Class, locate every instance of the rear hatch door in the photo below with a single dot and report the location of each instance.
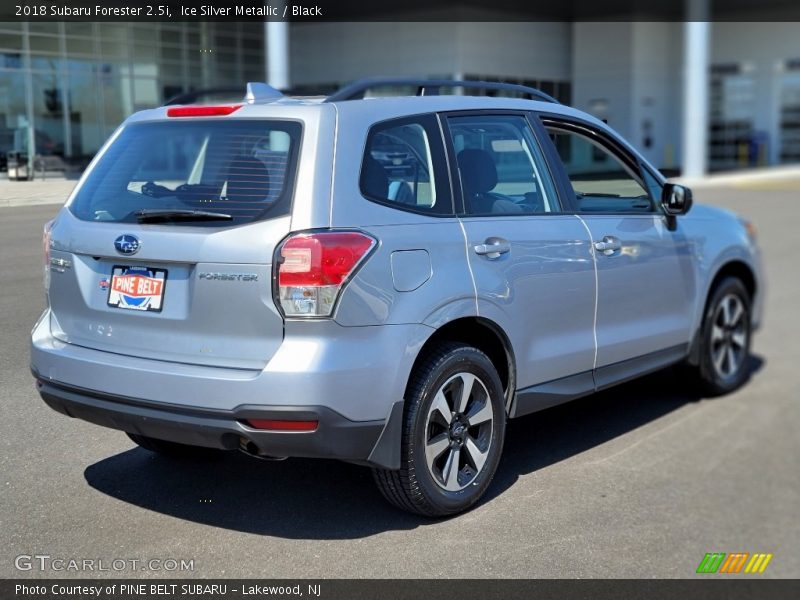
(165, 250)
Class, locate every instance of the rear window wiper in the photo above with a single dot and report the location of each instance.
(165, 215)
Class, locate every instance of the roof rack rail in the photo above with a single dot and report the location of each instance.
(431, 87)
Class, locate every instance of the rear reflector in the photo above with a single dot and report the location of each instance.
(313, 268)
(278, 425)
(202, 111)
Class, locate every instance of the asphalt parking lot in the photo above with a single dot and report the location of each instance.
(639, 481)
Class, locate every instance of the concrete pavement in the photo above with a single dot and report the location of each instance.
(36, 192)
(638, 481)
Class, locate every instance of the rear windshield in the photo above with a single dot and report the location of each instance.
(243, 169)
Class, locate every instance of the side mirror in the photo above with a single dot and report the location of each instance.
(676, 199)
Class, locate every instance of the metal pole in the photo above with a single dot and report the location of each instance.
(63, 83)
(697, 33)
(276, 46)
(29, 112)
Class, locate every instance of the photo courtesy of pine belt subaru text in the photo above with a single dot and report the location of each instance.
(380, 280)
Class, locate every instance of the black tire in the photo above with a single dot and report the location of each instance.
(172, 449)
(417, 487)
(716, 335)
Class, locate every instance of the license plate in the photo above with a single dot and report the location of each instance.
(137, 288)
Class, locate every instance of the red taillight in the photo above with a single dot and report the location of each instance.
(202, 111)
(279, 425)
(313, 268)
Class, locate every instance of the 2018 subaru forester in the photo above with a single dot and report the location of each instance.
(379, 280)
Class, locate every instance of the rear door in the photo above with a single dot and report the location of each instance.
(645, 276)
(532, 264)
(165, 251)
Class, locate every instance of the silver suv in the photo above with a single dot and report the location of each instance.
(379, 280)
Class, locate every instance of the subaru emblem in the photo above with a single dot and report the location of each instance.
(127, 244)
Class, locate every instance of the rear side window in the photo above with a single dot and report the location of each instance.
(501, 167)
(244, 169)
(403, 166)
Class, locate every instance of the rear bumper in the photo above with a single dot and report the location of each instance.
(350, 379)
(358, 372)
(335, 436)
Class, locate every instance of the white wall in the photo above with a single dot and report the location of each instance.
(339, 52)
(601, 71)
(656, 90)
(636, 67)
(521, 50)
(630, 73)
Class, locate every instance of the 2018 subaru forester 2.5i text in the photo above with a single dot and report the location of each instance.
(379, 280)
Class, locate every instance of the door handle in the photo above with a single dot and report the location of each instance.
(609, 245)
(493, 247)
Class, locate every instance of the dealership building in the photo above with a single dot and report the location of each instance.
(64, 87)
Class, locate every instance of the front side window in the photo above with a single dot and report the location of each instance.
(601, 181)
(500, 165)
(242, 169)
(403, 166)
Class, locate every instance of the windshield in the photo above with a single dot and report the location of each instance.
(242, 169)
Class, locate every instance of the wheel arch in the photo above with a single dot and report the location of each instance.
(738, 269)
(733, 268)
(480, 332)
(485, 335)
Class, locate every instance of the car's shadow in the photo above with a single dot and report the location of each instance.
(324, 499)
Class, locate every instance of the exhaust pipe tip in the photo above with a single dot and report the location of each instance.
(249, 448)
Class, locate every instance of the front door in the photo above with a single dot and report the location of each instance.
(644, 272)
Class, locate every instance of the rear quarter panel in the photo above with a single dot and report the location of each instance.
(385, 290)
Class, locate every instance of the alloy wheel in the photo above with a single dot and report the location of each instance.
(728, 336)
(458, 432)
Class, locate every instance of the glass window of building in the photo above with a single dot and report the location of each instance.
(66, 87)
